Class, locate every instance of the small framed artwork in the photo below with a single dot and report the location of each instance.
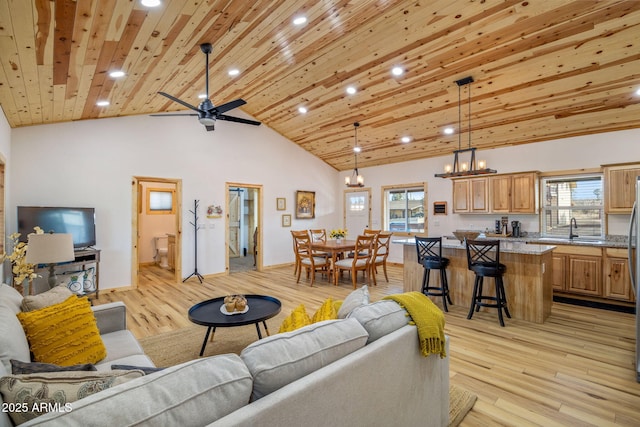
(305, 204)
(286, 220)
(281, 203)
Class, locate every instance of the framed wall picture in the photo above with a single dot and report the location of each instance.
(305, 204)
(286, 220)
(281, 203)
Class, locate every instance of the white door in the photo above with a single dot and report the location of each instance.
(357, 211)
(234, 223)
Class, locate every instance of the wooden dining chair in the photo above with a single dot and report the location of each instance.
(294, 234)
(319, 235)
(360, 262)
(308, 260)
(380, 255)
(366, 232)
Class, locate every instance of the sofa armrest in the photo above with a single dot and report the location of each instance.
(111, 317)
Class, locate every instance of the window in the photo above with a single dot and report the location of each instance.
(404, 208)
(160, 201)
(568, 197)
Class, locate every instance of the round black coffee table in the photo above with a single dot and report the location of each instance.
(208, 313)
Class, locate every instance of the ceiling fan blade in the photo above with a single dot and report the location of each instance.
(237, 120)
(220, 109)
(179, 101)
(173, 114)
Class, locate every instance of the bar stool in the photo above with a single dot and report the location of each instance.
(430, 256)
(483, 258)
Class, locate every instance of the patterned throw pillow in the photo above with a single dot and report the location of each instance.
(89, 279)
(72, 280)
(33, 395)
(64, 334)
(327, 311)
(297, 319)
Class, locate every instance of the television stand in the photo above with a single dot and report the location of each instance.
(84, 258)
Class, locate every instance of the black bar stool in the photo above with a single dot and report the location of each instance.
(483, 258)
(430, 256)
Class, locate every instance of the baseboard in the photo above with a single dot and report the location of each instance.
(594, 304)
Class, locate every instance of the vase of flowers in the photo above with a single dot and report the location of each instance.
(22, 271)
(338, 234)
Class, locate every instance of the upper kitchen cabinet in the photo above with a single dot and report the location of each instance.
(619, 187)
(471, 195)
(514, 193)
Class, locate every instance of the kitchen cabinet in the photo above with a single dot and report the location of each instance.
(514, 193)
(617, 284)
(619, 187)
(471, 195)
(577, 270)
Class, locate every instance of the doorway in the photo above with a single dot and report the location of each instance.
(156, 227)
(357, 211)
(243, 226)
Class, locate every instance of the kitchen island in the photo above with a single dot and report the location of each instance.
(527, 281)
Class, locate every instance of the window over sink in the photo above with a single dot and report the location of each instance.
(578, 197)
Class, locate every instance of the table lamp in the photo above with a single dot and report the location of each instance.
(50, 248)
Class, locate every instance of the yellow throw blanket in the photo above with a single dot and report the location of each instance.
(428, 318)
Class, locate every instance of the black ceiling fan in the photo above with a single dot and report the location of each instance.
(207, 113)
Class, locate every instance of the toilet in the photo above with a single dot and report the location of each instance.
(161, 243)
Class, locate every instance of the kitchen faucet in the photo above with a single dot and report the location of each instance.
(572, 223)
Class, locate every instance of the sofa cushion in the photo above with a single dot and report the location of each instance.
(35, 394)
(296, 320)
(10, 298)
(20, 368)
(55, 295)
(283, 358)
(120, 344)
(135, 360)
(195, 393)
(355, 299)
(380, 318)
(13, 342)
(64, 334)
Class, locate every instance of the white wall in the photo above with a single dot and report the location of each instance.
(91, 163)
(5, 155)
(589, 151)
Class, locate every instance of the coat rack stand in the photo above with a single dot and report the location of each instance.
(195, 240)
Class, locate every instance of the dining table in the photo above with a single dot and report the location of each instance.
(334, 247)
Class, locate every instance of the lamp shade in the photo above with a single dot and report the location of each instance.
(50, 248)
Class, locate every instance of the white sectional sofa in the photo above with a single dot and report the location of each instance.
(364, 370)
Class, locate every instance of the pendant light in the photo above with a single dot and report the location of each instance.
(465, 168)
(355, 180)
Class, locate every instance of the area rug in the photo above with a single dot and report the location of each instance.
(182, 345)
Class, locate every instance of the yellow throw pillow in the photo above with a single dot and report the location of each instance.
(337, 304)
(64, 334)
(327, 311)
(297, 319)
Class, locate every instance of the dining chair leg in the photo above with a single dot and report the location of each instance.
(384, 268)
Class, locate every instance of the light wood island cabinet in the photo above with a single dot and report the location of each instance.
(619, 187)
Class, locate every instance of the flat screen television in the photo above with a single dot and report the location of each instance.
(79, 222)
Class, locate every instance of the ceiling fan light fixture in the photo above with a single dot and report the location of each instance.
(150, 3)
(464, 168)
(207, 121)
(355, 180)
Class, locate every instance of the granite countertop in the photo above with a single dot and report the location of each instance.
(510, 246)
(611, 241)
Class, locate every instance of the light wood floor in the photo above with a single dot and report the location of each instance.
(576, 369)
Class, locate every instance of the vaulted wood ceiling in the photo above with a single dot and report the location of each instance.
(543, 69)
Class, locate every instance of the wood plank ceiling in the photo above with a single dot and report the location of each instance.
(543, 69)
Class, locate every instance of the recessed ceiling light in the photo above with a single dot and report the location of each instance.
(448, 130)
(405, 139)
(299, 20)
(397, 71)
(116, 74)
(234, 72)
(357, 149)
(150, 3)
(638, 92)
(302, 110)
(351, 90)
(202, 96)
(102, 103)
